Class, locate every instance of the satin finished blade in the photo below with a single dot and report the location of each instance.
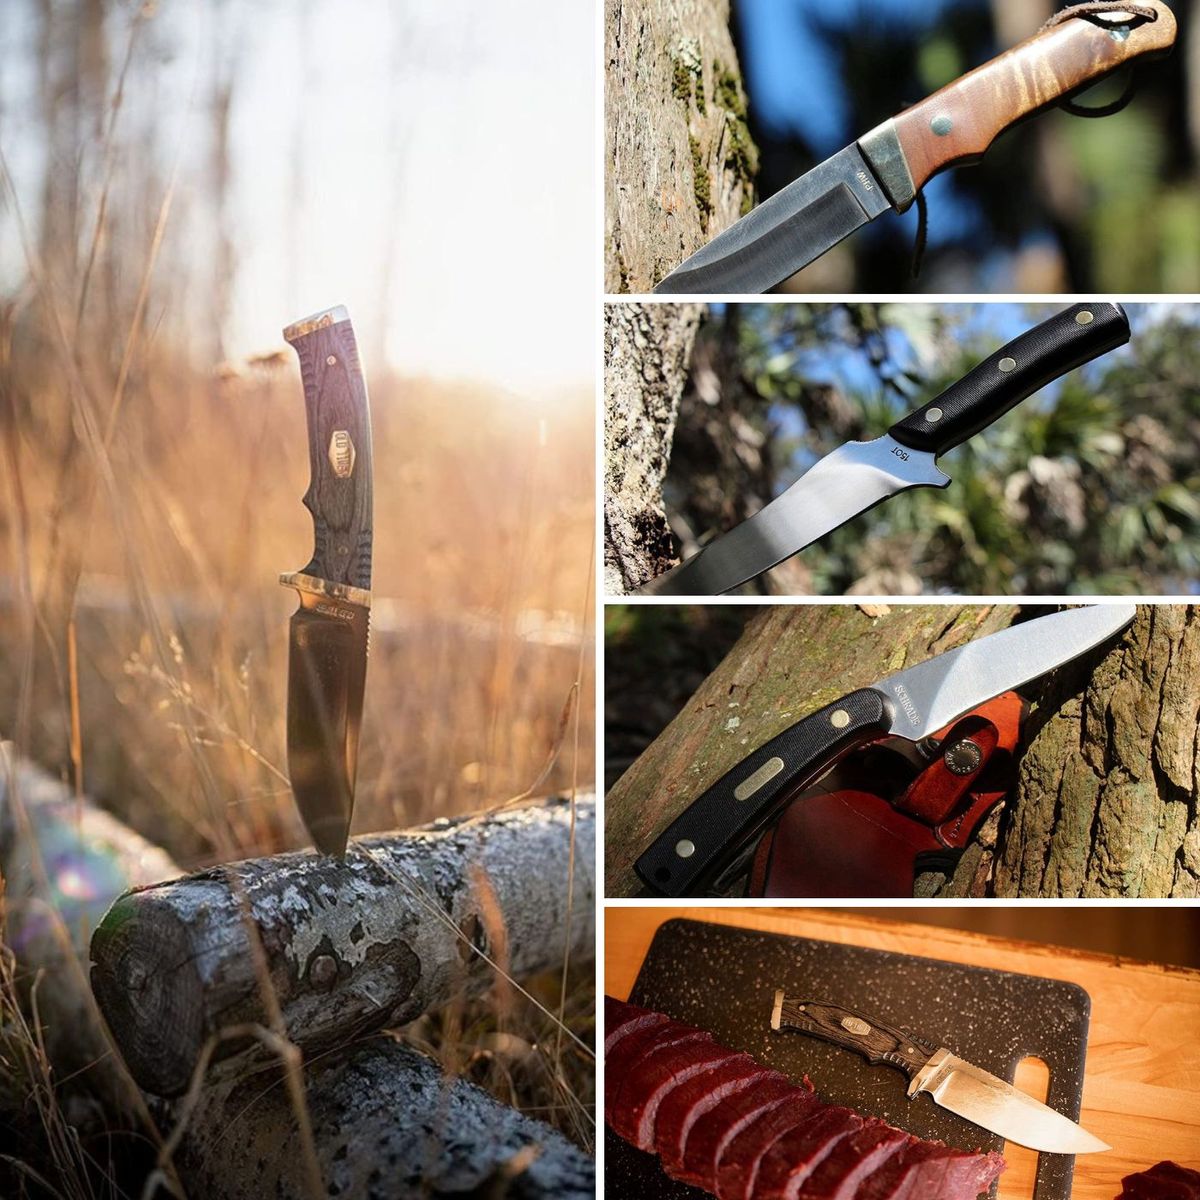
(849, 481)
(786, 231)
(327, 670)
(986, 1100)
(930, 695)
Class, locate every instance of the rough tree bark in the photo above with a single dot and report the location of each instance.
(1106, 797)
(680, 158)
(400, 927)
(646, 353)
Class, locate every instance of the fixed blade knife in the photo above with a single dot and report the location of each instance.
(329, 632)
(859, 475)
(955, 1084)
(694, 851)
(885, 169)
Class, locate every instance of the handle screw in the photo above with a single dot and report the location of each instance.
(331, 360)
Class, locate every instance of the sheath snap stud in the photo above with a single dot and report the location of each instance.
(963, 757)
(685, 849)
(840, 719)
(1007, 364)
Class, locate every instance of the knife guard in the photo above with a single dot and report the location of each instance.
(959, 122)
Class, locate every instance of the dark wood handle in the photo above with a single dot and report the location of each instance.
(339, 448)
(879, 1044)
(962, 120)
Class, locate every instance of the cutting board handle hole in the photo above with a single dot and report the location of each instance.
(1032, 1077)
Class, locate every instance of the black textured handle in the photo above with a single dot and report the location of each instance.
(879, 1044)
(339, 448)
(713, 828)
(1029, 362)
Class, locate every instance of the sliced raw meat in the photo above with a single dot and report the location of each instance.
(655, 1074)
(737, 1169)
(852, 1160)
(928, 1170)
(624, 1058)
(1165, 1181)
(714, 1131)
(793, 1157)
(685, 1104)
(621, 1019)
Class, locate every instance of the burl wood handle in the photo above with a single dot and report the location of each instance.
(958, 123)
(339, 448)
(879, 1044)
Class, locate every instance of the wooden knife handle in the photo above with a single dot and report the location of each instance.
(962, 120)
(878, 1044)
(339, 448)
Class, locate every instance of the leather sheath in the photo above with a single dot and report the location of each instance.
(883, 820)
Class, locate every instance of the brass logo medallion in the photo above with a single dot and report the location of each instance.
(341, 454)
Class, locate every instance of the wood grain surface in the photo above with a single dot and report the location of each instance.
(959, 122)
(1142, 1088)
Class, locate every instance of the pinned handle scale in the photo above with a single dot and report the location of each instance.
(1012, 374)
(702, 840)
(339, 448)
(959, 122)
(880, 1045)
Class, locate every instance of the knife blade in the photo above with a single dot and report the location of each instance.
(969, 1091)
(859, 475)
(886, 168)
(712, 832)
(329, 632)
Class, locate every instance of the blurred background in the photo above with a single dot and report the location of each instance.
(1058, 204)
(178, 183)
(1090, 486)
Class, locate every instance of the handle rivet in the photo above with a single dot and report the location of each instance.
(331, 360)
(941, 125)
(685, 849)
(840, 719)
(1084, 318)
(1007, 364)
(933, 415)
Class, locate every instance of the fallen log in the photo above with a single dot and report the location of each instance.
(405, 923)
(387, 1125)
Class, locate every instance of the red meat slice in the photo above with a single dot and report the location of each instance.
(655, 1075)
(793, 1157)
(720, 1125)
(630, 1050)
(852, 1160)
(685, 1104)
(737, 1168)
(621, 1019)
(928, 1169)
(1164, 1181)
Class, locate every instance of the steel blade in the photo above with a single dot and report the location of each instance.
(786, 231)
(986, 1100)
(845, 483)
(327, 669)
(932, 694)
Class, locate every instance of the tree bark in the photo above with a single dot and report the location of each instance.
(1105, 799)
(646, 351)
(681, 161)
(348, 948)
(387, 1125)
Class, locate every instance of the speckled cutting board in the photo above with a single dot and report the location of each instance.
(724, 979)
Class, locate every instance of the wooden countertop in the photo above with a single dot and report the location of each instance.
(1142, 1087)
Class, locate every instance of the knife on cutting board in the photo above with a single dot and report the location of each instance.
(859, 475)
(955, 1084)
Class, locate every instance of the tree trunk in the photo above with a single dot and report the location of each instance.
(681, 161)
(646, 350)
(387, 1125)
(349, 948)
(1105, 799)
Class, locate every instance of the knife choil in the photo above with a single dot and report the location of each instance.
(327, 657)
(956, 1085)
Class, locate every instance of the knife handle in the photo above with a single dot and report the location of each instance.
(959, 122)
(339, 448)
(694, 848)
(1029, 362)
(880, 1045)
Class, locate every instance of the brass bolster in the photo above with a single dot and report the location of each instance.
(882, 150)
(312, 586)
(320, 320)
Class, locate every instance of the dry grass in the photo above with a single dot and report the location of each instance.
(148, 501)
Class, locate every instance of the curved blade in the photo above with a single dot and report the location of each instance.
(845, 483)
(986, 1100)
(930, 695)
(327, 671)
(786, 231)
